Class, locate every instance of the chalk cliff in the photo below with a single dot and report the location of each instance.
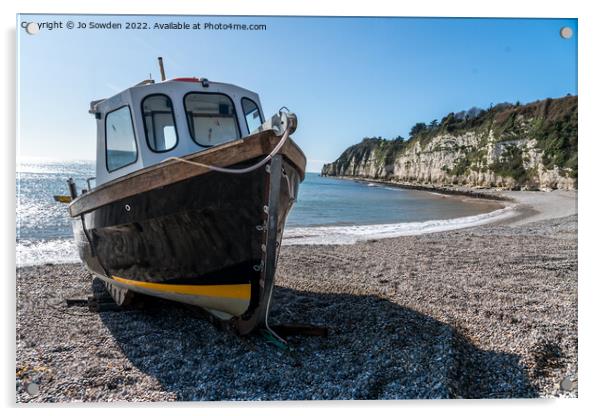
(511, 146)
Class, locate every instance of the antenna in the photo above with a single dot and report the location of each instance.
(161, 68)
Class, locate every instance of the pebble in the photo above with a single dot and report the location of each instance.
(487, 312)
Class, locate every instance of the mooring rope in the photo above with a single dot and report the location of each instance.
(242, 170)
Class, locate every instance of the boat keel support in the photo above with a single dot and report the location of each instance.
(286, 330)
(94, 303)
(270, 249)
(121, 296)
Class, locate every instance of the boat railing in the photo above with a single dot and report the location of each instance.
(93, 178)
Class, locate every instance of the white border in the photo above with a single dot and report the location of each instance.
(590, 152)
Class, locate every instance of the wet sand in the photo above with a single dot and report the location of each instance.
(482, 312)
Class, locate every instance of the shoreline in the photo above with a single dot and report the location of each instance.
(514, 208)
(510, 208)
(485, 193)
(353, 234)
(530, 205)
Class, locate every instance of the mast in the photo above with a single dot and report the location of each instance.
(161, 68)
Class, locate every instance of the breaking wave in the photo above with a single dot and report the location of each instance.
(354, 233)
(37, 252)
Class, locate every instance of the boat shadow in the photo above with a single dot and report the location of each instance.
(375, 349)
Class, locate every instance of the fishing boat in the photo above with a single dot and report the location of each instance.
(192, 189)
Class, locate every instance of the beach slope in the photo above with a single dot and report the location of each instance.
(482, 312)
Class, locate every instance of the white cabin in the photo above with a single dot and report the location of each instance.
(149, 122)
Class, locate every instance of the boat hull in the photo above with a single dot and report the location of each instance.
(202, 240)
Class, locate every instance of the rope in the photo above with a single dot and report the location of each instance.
(271, 337)
(267, 309)
(243, 170)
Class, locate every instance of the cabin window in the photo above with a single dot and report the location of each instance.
(252, 114)
(120, 139)
(159, 123)
(211, 118)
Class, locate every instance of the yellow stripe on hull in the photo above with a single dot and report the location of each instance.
(239, 291)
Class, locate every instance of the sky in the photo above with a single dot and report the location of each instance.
(345, 78)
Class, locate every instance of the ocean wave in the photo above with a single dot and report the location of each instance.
(71, 167)
(36, 252)
(383, 186)
(355, 233)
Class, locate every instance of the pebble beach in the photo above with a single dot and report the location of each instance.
(482, 312)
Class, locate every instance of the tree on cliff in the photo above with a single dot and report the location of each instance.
(474, 112)
(417, 129)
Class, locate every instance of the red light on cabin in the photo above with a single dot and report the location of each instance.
(186, 79)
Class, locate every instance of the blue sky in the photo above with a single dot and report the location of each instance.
(346, 78)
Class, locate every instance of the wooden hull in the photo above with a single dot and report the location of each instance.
(202, 240)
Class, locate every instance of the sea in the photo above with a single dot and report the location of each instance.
(328, 211)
